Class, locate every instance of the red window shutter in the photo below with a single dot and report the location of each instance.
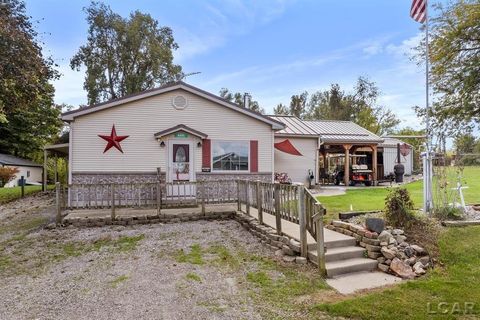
(206, 153)
(253, 156)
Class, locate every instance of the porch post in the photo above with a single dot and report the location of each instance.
(302, 221)
(346, 177)
(44, 182)
(56, 169)
(374, 165)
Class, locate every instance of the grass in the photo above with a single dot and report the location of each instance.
(452, 289)
(193, 277)
(10, 194)
(195, 256)
(369, 199)
(19, 253)
(118, 280)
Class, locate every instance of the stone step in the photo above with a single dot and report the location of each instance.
(336, 268)
(343, 253)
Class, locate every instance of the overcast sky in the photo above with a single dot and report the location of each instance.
(270, 48)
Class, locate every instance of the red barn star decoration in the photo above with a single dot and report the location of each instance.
(113, 140)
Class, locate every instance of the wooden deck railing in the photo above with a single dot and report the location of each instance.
(291, 203)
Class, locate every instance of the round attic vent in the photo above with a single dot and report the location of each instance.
(179, 102)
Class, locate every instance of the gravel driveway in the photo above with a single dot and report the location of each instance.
(192, 270)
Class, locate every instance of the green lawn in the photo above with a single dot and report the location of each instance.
(9, 194)
(450, 292)
(366, 199)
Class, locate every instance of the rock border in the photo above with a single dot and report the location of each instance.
(393, 254)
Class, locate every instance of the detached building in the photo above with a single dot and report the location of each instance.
(31, 171)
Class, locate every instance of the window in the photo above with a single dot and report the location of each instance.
(230, 155)
(28, 174)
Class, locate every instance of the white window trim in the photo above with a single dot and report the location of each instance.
(229, 171)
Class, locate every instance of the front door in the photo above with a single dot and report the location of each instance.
(180, 162)
(181, 170)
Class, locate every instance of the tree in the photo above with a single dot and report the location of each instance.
(298, 103)
(281, 109)
(454, 53)
(124, 56)
(24, 71)
(7, 174)
(359, 106)
(465, 143)
(416, 143)
(238, 99)
(30, 118)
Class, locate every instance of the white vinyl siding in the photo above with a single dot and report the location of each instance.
(297, 167)
(141, 119)
(34, 178)
(390, 160)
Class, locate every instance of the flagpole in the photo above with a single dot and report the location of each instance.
(428, 169)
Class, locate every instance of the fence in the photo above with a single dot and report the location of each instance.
(292, 203)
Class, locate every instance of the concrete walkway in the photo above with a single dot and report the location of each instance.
(353, 282)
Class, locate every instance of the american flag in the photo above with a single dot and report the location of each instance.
(419, 10)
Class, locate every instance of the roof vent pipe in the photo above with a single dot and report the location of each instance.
(246, 100)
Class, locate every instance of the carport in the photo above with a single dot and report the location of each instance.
(347, 138)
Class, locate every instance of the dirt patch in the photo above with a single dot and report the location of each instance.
(200, 270)
(425, 232)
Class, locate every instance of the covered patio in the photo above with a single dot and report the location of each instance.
(56, 151)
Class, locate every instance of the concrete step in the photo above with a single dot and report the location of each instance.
(336, 268)
(344, 253)
(338, 243)
(337, 254)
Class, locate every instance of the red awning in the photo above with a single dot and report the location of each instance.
(287, 147)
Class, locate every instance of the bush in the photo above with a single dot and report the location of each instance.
(399, 208)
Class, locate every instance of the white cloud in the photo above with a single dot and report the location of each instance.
(222, 20)
(69, 88)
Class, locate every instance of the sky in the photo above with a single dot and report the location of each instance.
(271, 49)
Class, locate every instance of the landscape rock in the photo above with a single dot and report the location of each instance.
(289, 258)
(419, 250)
(409, 251)
(402, 269)
(294, 245)
(288, 251)
(425, 260)
(371, 248)
(373, 242)
(385, 236)
(381, 259)
(388, 261)
(397, 232)
(411, 261)
(383, 267)
(301, 260)
(400, 238)
(279, 253)
(373, 255)
(388, 253)
(375, 224)
(418, 268)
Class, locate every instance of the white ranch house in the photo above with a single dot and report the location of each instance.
(181, 133)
